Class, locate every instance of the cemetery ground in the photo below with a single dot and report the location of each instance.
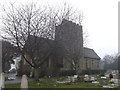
(51, 83)
(61, 82)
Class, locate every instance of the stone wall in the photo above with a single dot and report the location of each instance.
(91, 64)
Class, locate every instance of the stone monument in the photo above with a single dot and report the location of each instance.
(24, 82)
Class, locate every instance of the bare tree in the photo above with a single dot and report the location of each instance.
(23, 22)
(85, 38)
(8, 52)
(73, 60)
(67, 12)
(111, 61)
(29, 20)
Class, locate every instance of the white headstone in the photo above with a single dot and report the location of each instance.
(75, 76)
(114, 81)
(108, 86)
(107, 75)
(68, 78)
(103, 77)
(24, 82)
(92, 78)
(95, 82)
(86, 77)
(72, 79)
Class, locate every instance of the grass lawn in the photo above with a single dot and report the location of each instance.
(50, 83)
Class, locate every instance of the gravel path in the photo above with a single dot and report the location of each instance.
(16, 80)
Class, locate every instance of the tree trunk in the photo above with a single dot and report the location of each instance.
(36, 74)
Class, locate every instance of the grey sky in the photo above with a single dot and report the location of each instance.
(100, 20)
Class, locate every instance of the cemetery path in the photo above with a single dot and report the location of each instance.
(16, 80)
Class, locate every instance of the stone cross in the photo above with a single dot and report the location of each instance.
(24, 82)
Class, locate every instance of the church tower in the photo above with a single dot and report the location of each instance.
(69, 42)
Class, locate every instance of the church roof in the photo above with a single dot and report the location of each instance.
(90, 53)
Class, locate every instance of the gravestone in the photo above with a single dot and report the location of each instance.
(76, 77)
(24, 82)
(103, 77)
(68, 78)
(86, 78)
(92, 78)
(95, 82)
(2, 81)
(107, 75)
(72, 79)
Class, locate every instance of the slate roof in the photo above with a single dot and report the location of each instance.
(90, 53)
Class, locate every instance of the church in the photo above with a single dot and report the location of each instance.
(67, 52)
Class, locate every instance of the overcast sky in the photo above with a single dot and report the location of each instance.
(100, 20)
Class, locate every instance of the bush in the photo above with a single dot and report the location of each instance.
(93, 72)
(67, 73)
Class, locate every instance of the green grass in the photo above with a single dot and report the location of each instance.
(50, 83)
(81, 85)
(12, 86)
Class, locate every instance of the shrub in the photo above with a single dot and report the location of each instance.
(93, 72)
(67, 73)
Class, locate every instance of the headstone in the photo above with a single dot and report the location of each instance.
(92, 78)
(108, 86)
(31, 74)
(107, 75)
(2, 81)
(103, 77)
(86, 75)
(72, 79)
(86, 78)
(24, 82)
(69, 78)
(76, 77)
(115, 81)
(119, 82)
(95, 82)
